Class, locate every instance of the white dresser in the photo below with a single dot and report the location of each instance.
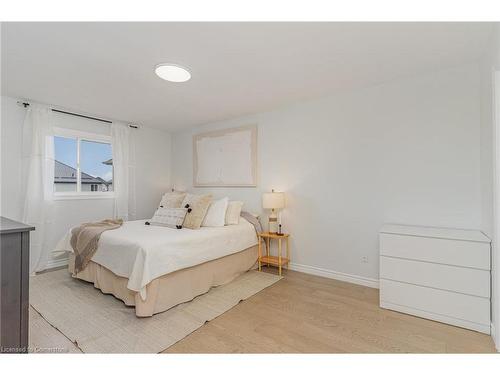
(436, 273)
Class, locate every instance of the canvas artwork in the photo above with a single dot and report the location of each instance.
(225, 157)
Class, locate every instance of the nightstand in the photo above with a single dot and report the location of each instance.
(268, 259)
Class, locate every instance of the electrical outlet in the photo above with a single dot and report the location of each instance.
(364, 259)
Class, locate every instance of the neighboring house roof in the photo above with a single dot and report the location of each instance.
(65, 173)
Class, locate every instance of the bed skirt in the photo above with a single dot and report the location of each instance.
(169, 290)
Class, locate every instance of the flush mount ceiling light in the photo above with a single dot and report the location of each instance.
(172, 73)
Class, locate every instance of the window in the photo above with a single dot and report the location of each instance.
(83, 164)
(65, 165)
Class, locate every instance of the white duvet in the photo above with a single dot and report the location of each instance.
(142, 252)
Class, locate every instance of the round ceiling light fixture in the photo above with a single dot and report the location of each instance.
(172, 72)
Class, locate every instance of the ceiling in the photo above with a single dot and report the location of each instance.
(107, 69)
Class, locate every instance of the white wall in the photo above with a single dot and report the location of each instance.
(490, 175)
(152, 154)
(496, 235)
(487, 166)
(486, 149)
(490, 147)
(12, 117)
(404, 152)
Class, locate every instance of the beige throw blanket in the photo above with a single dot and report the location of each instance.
(254, 221)
(84, 240)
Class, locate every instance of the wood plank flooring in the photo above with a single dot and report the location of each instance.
(310, 314)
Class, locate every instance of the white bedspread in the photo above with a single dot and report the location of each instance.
(142, 253)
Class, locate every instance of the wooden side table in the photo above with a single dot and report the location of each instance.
(268, 259)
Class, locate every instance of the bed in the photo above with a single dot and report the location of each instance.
(155, 268)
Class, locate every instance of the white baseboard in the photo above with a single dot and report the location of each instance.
(494, 337)
(483, 328)
(54, 263)
(354, 279)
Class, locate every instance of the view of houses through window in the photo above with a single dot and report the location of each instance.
(92, 160)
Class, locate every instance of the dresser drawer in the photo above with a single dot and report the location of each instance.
(439, 250)
(435, 301)
(452, 278)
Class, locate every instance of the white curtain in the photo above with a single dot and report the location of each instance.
(120, 143)
(38, 173)
(131, 177)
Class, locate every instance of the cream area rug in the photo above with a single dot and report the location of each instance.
(100, 323)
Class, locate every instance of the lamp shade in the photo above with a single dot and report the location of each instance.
(273, 200)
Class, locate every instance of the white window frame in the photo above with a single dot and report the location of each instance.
(79, 194)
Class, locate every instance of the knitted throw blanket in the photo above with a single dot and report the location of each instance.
(254, 221)
(84, 240)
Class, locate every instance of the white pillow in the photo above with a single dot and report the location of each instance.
(233, 212)
(216, 214)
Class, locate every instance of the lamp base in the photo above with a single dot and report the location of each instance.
(273, 223)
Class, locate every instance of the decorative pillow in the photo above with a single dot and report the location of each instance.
(197, 206)
(233, 212)
(216, 214)
(169, 217)
(172, 200)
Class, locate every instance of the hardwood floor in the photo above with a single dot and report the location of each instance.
(310, 314)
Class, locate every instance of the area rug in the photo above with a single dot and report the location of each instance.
(99, 323)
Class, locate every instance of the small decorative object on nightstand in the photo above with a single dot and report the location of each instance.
(273, 201)
(268, 259)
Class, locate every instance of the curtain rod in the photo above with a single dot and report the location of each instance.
(26, 104)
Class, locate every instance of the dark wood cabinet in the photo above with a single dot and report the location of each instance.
(14, 291)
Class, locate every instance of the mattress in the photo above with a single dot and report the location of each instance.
(141, 253)
(169, 290)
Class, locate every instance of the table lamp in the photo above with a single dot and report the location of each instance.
(273, 201)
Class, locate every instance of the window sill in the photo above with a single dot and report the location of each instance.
(64, 197)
